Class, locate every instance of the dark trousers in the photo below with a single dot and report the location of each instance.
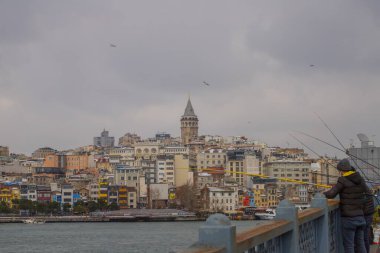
(367, 231)
(353, 234)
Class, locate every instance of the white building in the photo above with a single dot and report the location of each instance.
(165, 170)
(292, 169)
(217, 199)
(67, 194)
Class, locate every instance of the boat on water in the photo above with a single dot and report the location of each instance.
(268, 214)
(33, 221)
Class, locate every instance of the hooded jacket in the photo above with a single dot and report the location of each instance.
(351, 189)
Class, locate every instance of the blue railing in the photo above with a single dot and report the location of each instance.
(314, 230)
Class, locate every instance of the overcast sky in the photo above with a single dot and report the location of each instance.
(61, 82)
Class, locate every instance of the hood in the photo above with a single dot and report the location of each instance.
(355, 178)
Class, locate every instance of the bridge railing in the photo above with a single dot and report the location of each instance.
(314, 230)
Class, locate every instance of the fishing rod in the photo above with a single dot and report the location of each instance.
(321, 157)
(344, 151)
(318, 139)
(315, 153)
(347, 152)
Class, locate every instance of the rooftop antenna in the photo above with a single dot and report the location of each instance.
(351, 143)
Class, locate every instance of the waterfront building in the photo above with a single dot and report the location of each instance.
(158, 195)
(189, 124)
(5, 193)
(132, 199)
(123, 197)
(249, 199)
(302, 195)
(93, 191)
(103, 189)
(129, 176)
(113, 194)
(43, 194)
(67, 194)
(16, 194)
(204, 179)
(84, 194)
(23, 191)
(104, 141)
(32, 192)
(217, 199)
(143, 192)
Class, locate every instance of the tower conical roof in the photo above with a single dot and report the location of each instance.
(189, 111)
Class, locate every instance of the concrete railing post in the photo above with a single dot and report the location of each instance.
(286, 210)
(320, 201)
(218, 232)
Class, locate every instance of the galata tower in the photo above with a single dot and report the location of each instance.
(189, 124)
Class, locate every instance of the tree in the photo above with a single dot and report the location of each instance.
(4, 208)
(113, 207)
(187, 196)
(54, 207)
(102, 204)
(79, 209)
(92, 206)
(66, 207)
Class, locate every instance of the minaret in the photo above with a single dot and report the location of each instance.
(189, 124)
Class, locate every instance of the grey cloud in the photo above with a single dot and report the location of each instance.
(61, 82)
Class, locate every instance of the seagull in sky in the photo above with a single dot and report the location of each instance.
(311, 65)
(206, 83)
(112, 45)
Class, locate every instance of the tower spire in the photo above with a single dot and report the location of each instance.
(189, 111)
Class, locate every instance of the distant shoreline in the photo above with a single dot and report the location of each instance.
(65, 219)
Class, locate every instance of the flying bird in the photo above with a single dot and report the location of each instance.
(112, 45)
(206, 83)
(311, 65)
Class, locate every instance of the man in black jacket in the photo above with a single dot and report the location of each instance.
(351, 189)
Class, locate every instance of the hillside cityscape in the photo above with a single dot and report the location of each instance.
(197, 173)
